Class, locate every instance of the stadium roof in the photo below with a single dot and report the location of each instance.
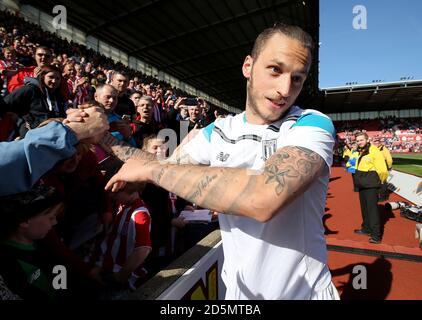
(371, 97)
(202, 43)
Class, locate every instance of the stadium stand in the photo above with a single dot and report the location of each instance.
(14, 36)
(80, 73)
(399, 135)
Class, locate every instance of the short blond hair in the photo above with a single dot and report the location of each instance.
(361, 133)
(148, 139)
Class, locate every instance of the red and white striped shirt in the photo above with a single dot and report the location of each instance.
(131, 230)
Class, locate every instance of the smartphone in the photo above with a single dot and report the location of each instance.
(191, 102)
(126, 117)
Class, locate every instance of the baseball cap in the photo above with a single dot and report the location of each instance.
(17, 208)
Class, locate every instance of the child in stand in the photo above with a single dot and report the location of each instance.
(163, 210)
(25, 266)
(126, 245)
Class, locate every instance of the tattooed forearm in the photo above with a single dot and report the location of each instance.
(160, 174)
(183, 159)
(179, 156)
(201, 187)
(249, 189)
(178, 159)
(122, 150)
(288, 173)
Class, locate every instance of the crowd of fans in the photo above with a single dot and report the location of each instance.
(81, 71)
(110, 243)
(399, 135)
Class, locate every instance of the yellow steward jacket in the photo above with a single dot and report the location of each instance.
(371, 169)
(346, 152)
(387, 156)
(353, 160)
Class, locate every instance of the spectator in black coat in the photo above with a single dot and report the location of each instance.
(38, 100)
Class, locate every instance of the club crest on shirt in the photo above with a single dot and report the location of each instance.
(222, 156)
(269, 147)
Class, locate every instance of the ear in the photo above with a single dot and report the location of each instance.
(247, 67)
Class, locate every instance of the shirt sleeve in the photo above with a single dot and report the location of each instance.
(23, 162)
(16, 81)
(314, 132)
(199, 148)
(379, 164)
(142, 227)
(388, 158)
(19, 101)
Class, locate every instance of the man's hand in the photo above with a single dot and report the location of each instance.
(180, 101)
(75, 115)
(89, 124)
(134, 170)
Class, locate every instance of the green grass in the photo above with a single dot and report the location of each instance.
(409, 163)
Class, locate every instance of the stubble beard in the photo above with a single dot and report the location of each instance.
(253, 105)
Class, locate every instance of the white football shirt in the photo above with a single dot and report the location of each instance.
(284, 258)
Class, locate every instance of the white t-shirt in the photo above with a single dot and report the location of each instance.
(284, 258)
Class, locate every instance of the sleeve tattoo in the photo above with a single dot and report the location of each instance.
(292, 165)
(287, 174)
(122, 150)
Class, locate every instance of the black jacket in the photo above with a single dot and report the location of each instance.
(30, 103)
(363, 178)
(125, 106)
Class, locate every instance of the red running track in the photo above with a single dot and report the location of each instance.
(389, 278)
